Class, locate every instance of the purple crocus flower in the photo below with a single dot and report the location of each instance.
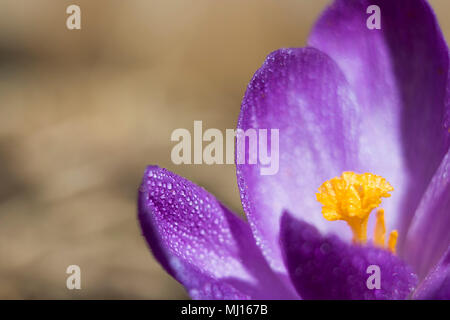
(355, 100)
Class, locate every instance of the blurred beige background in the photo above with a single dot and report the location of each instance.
(83, 112)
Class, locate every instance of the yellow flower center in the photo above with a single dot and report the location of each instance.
(351, 198)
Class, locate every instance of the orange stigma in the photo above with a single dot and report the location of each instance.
(351, 198)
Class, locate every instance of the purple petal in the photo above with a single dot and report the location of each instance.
(436, 285)
(302, 93)
(201, 243)
(399, 75)
(328, 268)
(428, 236)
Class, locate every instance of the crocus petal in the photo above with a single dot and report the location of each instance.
(399, 75)
(303, 94)
(436, 285)
(201, 243)
(428, 236)
(328, 268)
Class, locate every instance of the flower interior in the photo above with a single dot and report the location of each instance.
(352, 197)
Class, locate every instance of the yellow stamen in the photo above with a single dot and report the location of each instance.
(392, 240)
(351, 198)
(380, 229)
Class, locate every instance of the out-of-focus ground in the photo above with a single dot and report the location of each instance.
(83, 112)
